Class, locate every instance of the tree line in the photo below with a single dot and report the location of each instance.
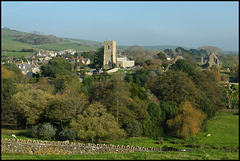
(148, 102)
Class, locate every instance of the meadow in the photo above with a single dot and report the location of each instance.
(222, 145)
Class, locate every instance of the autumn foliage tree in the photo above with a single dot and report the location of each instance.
(187, 122)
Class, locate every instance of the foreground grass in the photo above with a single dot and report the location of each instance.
(224, 130)
(193, 155)
(222, 145)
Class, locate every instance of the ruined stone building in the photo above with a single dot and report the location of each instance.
(210, 60)
(110, 59)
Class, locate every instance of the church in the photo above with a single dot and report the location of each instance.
(111, 60)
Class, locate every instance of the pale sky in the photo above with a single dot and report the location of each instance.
(181, 23)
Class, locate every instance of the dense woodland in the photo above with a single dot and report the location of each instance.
(151, 101)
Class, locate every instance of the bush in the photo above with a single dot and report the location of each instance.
(43, 131)
(68, 134)
(134, 128)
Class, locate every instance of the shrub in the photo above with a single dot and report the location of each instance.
(43, 131)
(134, 128)
(68, 134)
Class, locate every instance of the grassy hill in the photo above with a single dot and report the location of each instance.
(10, 43)
(11, 46)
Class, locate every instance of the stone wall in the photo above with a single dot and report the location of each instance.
(57, 147)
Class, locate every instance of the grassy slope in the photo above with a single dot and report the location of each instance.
(223, 128)
(8, 42)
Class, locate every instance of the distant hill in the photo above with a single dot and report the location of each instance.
(162, 47)
(12, 40)
(211, 49)
(15, 41)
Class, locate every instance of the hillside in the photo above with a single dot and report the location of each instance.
(210, 49)
(161, 47)
(15, 41)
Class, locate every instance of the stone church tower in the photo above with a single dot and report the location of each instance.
(110, 54)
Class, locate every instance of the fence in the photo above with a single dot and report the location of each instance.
(60, 147)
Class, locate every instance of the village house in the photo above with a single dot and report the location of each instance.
(28, 69)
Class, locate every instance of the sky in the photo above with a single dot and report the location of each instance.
(144, 23)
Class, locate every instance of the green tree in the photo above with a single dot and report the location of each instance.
(98, 58)
(138, 91)
(207, 83)
(235, 72)
(65, 107)
(43, 131)
(8, 112)
(87, 85)
(161, 56)
(95, 124)
(64, 82)
(153, 124)
(175, 87)
(185, 66)
(57, 66)
(31, 103)
(118, 98)
(134, 128)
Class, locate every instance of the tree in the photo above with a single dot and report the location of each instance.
(207, 83)
(235, 72)
(117, 99)
(162, 56)
(43, 131)
(175, 87)
(64, 82)
(187, 122)
(153, 124)
(5, 73)
(65, 107)
(185, 66)
(134, 128)
(8, 112)
(98, 58)
(57, 66)
(18, 75)
(137, 53)
(138, 91)
(87, 85)
(31, 103)
(95, 123)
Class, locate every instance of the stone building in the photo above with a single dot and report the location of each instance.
(110, 57)
(210, 60)
(110, 54)
(124, 62)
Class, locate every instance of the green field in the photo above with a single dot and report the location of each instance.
(222, 145)
(65, 46)
(9, 43)
(16, 54)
